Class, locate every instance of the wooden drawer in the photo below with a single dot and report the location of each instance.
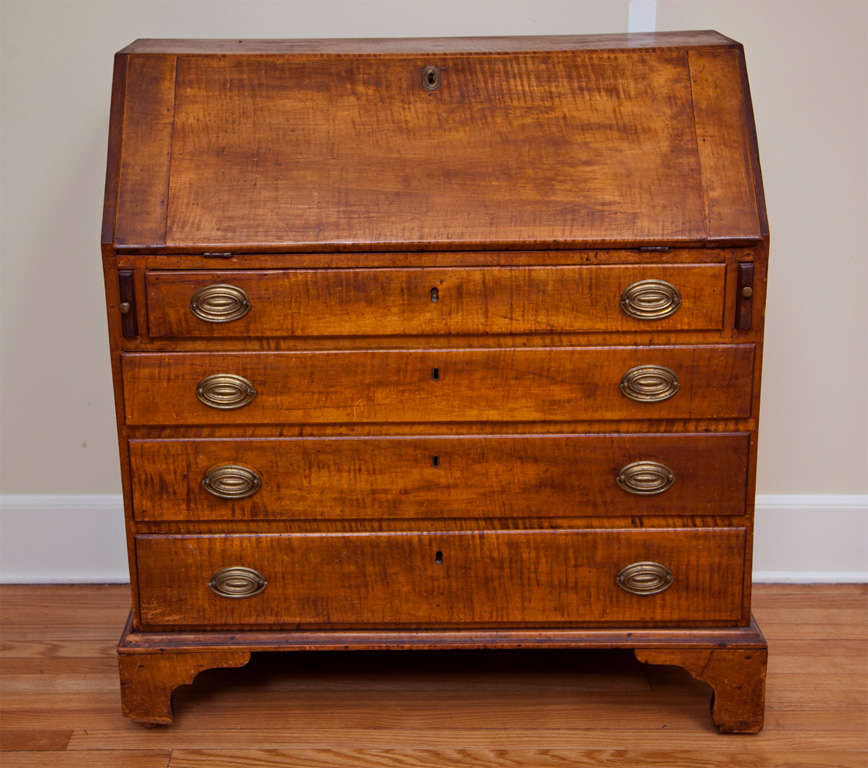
(516, 578)
(439, 477)
(401, 302)
(478, 385)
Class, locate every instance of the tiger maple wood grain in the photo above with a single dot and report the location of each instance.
(423, 477)
(398, 302)
(471, 385)
(549, 147)
(146, 151)
(511, 578)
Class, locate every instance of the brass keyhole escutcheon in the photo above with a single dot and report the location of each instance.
(431, 78)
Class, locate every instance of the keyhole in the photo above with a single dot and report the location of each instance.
(435, 294)
(435, 374)
(430, 78)
(438, 557)
(435, 461)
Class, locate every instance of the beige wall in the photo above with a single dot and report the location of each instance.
(808, 63)
(58, 433)
(807, 66)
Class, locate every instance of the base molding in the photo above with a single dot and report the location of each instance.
(730, 659)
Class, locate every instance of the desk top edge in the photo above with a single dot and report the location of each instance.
(422, 45)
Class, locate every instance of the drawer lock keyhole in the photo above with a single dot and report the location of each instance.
(431, 78)
(435, 294)
(435, 374)
(438, 557)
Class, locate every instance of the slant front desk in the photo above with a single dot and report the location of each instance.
(437, 343)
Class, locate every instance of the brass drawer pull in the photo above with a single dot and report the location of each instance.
(649, 383)
(220, 303)
(225, 391)
(645, 478)
(650, 300)
(232, 481)
(646, 578)
(237, 581)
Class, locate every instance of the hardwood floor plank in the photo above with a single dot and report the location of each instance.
(680, 716)
(20, 739)
(660, 737)
(853, 663)
(34, 645)
(48, 701)
(51, 665)
(22, 686)
(848, 616)
(613, 757)
(854, 650)
(97, 759)
(820, 631)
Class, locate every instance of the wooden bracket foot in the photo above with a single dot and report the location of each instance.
(737, 676)
(148, 679)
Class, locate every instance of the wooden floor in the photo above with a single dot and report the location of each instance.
(60, 703)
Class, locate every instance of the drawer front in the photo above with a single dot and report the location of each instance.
(479, 385)
(434, 579)
(401, 302)
(439, 477)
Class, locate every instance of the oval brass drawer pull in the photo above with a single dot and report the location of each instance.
(220, 303)
(650, 300)
(232, 481)
(645, 478)
(646, 578)
(649, 383)
(237, 581)
(225, 391)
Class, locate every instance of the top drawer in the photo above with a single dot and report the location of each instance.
(434, 301)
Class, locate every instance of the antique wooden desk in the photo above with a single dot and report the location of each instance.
(437, 343)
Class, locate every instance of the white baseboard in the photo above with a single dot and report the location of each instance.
(80, 539)
(66, 538)
(811, 538)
